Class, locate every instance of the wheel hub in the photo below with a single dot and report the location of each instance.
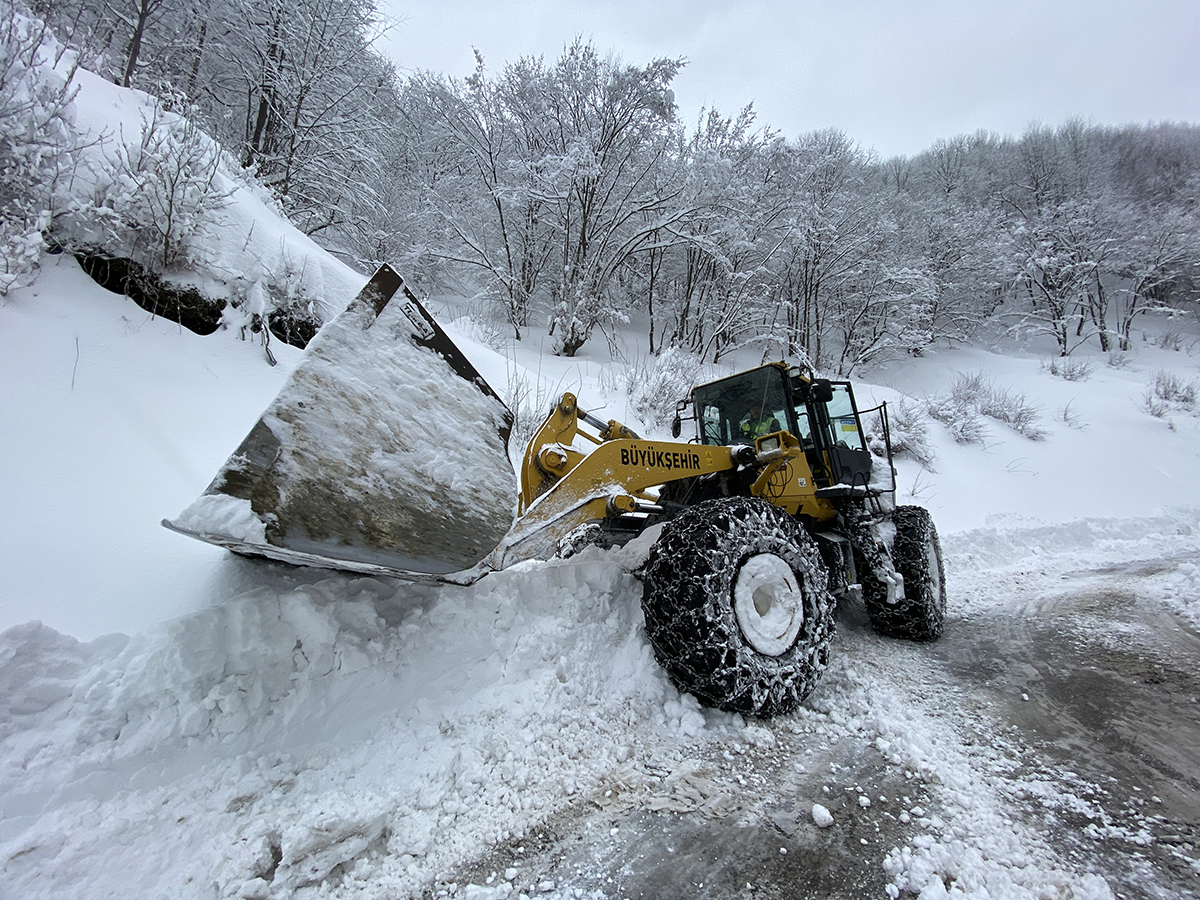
(768, 603)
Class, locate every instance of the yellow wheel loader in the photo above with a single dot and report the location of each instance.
(386, 453)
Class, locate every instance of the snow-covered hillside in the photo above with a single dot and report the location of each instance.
(179, 722)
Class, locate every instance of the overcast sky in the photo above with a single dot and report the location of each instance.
(895, 75)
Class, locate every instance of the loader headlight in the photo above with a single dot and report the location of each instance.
(766, 445)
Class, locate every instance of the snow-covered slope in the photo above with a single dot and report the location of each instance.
(113, 420)
(1102, 453)
(236, 243)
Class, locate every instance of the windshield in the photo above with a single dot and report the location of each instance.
(740, 409)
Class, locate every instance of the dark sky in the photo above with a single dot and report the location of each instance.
(895, 75)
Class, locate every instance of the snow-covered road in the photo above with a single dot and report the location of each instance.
(331, 736)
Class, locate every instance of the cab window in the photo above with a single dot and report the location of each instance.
(740, 409)
(843, 421)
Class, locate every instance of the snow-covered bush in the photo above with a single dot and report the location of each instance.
(1169, 392)
(285, 299)
(1070, 418)
(961, 419)
(151, 193)
(1068, 368)
(1119, 359)
(1171, 339)
(958, 410)
(973, 396)
(1014, 410)
(908, 428)
(654, 383)
(37, 146)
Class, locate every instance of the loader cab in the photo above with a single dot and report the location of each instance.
(774, 397)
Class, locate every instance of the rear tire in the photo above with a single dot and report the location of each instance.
(917, 556)
(737, 606)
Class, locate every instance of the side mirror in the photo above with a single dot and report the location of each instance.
(676, 426)
(822, 390)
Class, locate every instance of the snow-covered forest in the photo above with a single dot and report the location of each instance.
(178, 721)
(567, 196)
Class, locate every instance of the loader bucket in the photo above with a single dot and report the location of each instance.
(385, 452)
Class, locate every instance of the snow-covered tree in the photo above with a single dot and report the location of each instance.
(716, 280)
(480, 145)
(607, 128)
(37, 144)
(151, 193)
(833, 245)
(559, 183)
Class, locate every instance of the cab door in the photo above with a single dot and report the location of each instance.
(850, 460)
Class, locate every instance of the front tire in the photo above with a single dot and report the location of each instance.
(737, 606)
(917, 556)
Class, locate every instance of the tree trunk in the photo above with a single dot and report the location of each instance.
(145, 9)
(194, 75)
(260, 136)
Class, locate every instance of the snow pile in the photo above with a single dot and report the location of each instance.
(286, 733)
(1181, 589)
(222, 514)
(367, 739)
(40, 668)
(989, 564)
(1090, 541)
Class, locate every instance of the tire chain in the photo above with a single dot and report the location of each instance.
(688, 605)
(921, 615)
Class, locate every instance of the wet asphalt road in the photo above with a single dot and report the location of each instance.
(1090, 692)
